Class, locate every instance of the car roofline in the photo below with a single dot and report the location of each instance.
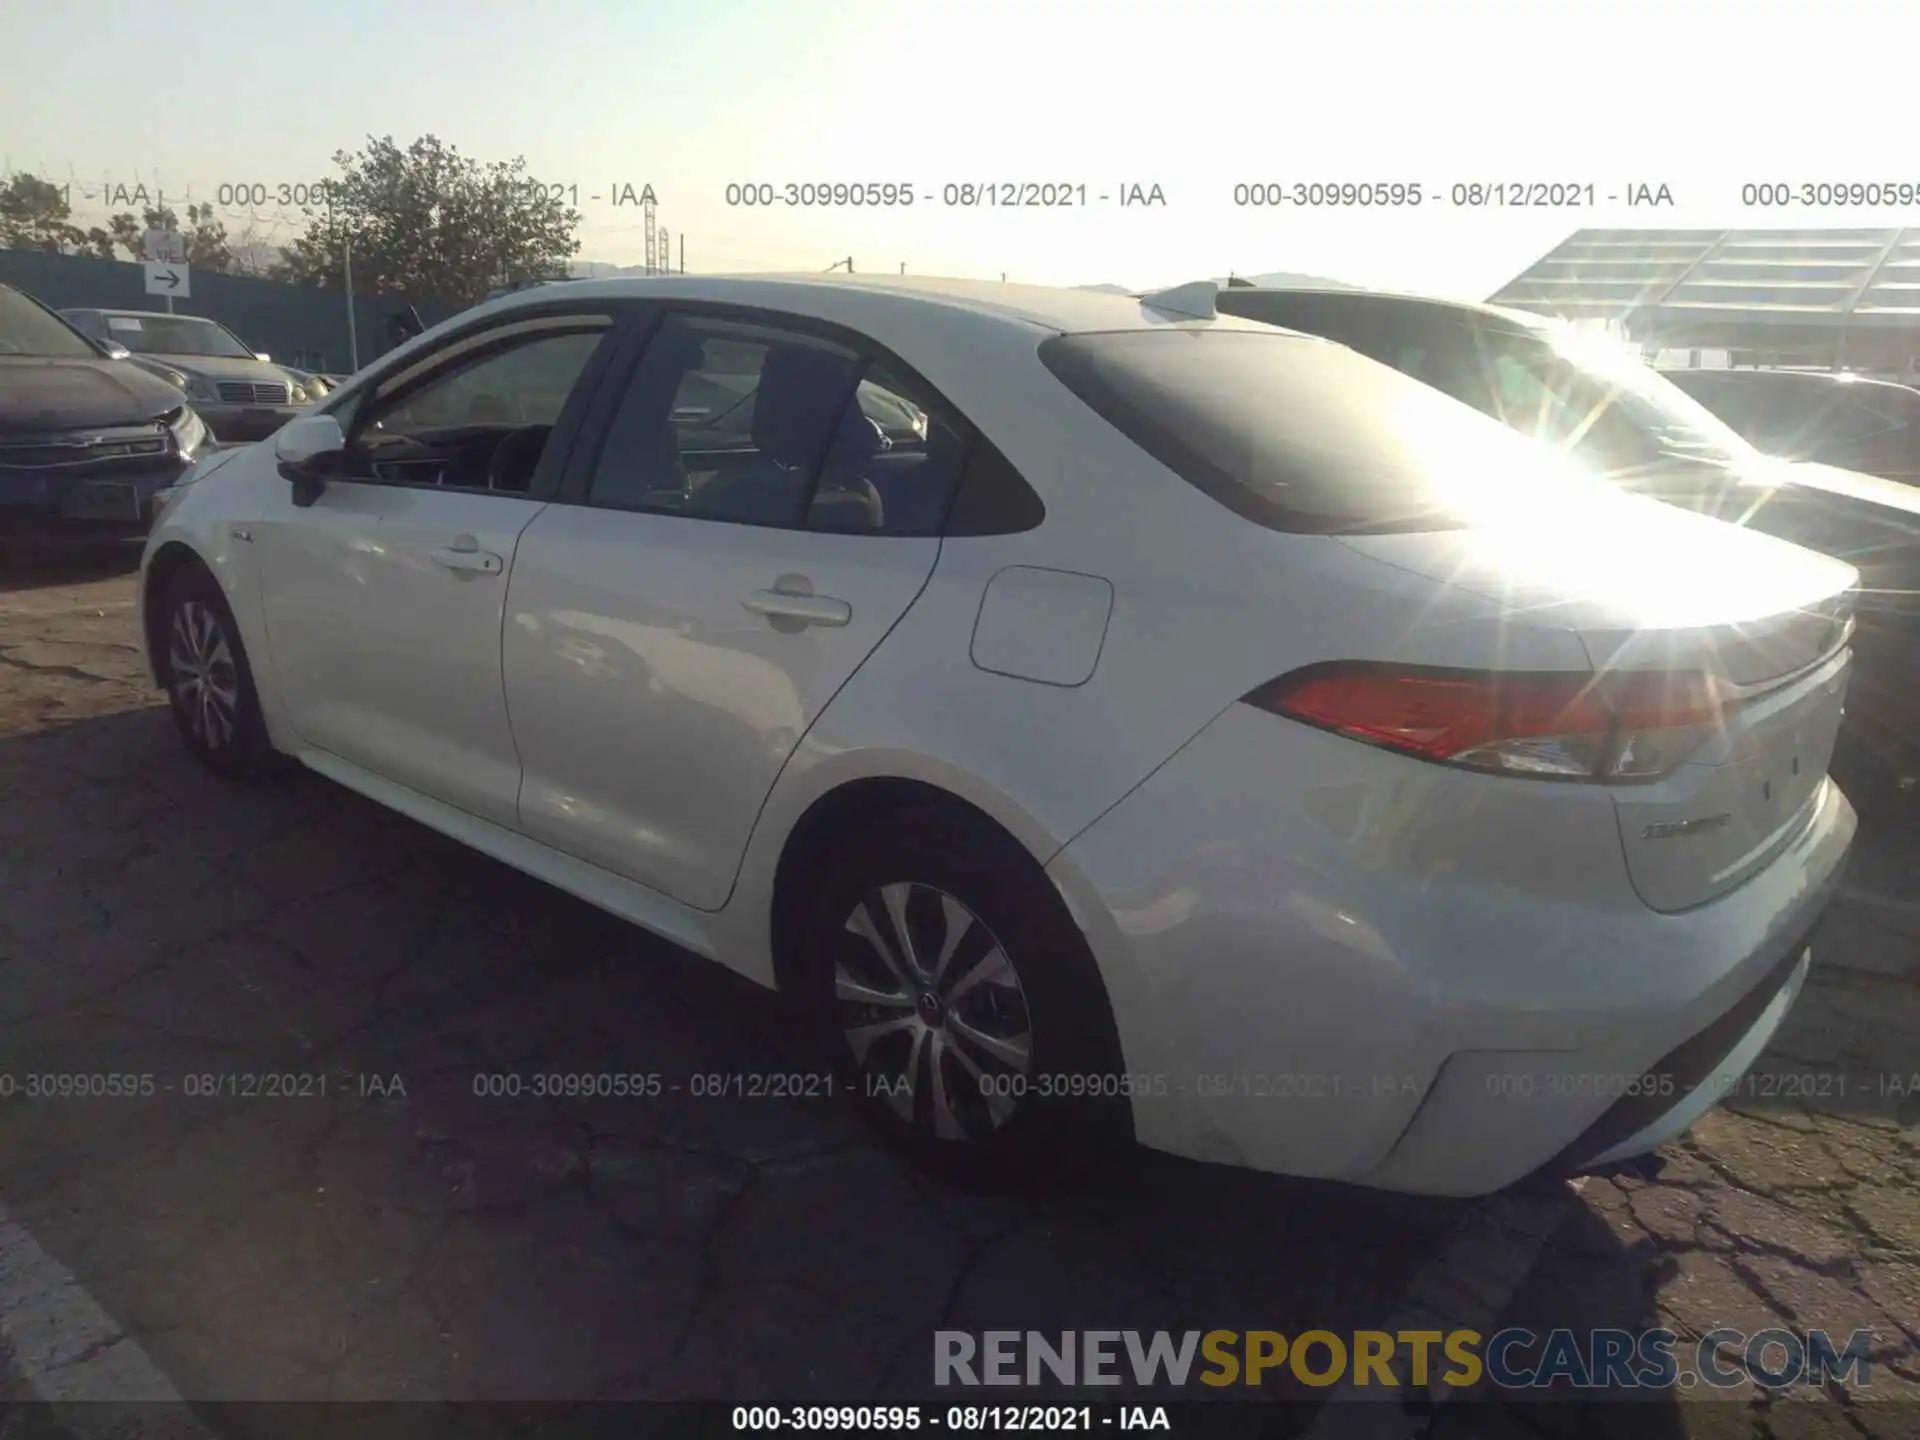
(1051, 310)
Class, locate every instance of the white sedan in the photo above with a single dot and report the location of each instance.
(1199, 734)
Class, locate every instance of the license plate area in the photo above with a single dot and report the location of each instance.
(103, 500)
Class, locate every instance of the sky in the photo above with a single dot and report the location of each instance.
(1195, 98)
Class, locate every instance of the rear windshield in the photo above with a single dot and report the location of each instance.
(1292, 433)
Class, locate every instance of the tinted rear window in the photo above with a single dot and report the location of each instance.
(1294, 434)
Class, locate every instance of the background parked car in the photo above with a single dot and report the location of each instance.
(86, 441)
(1619, 416)
(313, 385)
(1846, 420)
(241, 394)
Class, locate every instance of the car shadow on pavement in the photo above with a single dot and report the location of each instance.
(355, 1113)
(34, 564)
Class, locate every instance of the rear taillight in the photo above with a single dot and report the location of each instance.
(1630, 725)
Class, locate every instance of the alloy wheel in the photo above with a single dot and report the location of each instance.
(206, 682)
(934, 1012)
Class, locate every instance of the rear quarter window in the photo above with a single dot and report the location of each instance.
(1294, 434)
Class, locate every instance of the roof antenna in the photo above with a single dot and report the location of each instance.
(1195, 298)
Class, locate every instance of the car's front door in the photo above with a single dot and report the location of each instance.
(384, 598)
(734, 539)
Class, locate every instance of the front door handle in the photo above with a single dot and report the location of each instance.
(483, 562)
(808, 609)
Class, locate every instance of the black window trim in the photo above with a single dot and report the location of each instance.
(622, 365)
(348, 405)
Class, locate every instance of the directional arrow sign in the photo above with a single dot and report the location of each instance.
(166, 279)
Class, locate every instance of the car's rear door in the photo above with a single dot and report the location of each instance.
(704, 584)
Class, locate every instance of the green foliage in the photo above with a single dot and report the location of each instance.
(35, 215)
(432, 224)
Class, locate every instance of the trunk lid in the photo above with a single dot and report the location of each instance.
(1647, 587)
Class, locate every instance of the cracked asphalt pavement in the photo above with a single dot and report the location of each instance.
(402, 1237)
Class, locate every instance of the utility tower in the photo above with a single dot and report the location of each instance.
(654, 263)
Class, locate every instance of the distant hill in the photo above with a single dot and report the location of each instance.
(601, 270)
(1286, 278)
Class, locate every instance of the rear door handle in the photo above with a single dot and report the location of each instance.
(483, 562)
(809, 609)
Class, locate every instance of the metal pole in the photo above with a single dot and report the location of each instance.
(353, 330)
(683, 252)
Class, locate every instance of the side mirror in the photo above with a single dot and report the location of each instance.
(309, 448)
(115, 350)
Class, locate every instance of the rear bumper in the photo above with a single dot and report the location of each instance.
(1414, 978)
(1689, 1081)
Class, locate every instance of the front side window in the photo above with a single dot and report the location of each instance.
(87, 322)
(1860, 416)
(751, 423)
(1637, 411)
(480, 423)
(1742, 404)
(1860, 427)
(1610, 411)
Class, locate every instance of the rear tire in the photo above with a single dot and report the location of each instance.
(203, 667)
(999, 1068)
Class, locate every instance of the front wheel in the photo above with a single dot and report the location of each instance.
(958, 1003)
(209, 684)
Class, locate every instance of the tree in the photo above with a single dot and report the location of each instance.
(35, 215)
(253, 252)
(206, 237)
(432, 224)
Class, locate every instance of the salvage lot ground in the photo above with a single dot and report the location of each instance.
(373, 1245)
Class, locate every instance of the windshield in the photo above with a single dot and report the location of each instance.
(1604, 403)
(175, 335)
(26, 329)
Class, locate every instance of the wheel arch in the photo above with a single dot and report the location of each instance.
(865, 800)
(169, 560)
(851, 806)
